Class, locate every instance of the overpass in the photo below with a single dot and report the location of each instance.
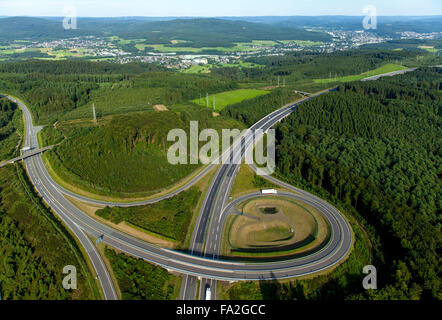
(26, 155)
(306, 94)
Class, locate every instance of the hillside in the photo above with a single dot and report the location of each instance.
(125, 155)
(216, 32)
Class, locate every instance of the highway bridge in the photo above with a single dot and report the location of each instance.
(25, 155)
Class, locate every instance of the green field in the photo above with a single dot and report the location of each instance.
(430, 49)
(390, 67)
(231, 97)
(198, 69)
(304, 43)
(207, 68)
(239, 47)
(12, 52)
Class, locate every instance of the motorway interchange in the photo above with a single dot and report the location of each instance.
(202, 260)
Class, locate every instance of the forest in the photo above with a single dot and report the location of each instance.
(11, 129)
(315, 65)
(67, 89)
(35, 247)
(139, 280)
(375, 146)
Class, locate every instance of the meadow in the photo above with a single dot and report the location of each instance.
(224, 99)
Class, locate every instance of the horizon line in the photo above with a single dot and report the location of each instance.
(228, 16)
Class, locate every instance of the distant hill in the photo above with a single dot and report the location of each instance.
(217, 32)
(386, 24)
(197, 32)
(208, 32)
(28, 28)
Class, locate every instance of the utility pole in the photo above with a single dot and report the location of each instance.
(214, 103)
(93, 112)
(207, 100)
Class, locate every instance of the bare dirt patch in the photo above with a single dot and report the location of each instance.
(160, 108)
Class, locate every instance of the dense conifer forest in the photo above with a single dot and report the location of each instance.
(375, 147)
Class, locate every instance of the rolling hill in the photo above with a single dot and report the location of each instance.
(196, 32)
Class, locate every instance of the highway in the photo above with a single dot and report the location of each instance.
(216, 199)
(213, 213)
(389, 74)
(30, 163)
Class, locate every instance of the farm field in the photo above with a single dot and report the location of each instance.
(431, 49)
(306, 43)
(207, 68)
(198, 69)
(224, 99)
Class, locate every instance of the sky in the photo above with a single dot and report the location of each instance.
(214, 8)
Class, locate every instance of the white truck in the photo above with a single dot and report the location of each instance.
(268, 191)
(208, 293)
